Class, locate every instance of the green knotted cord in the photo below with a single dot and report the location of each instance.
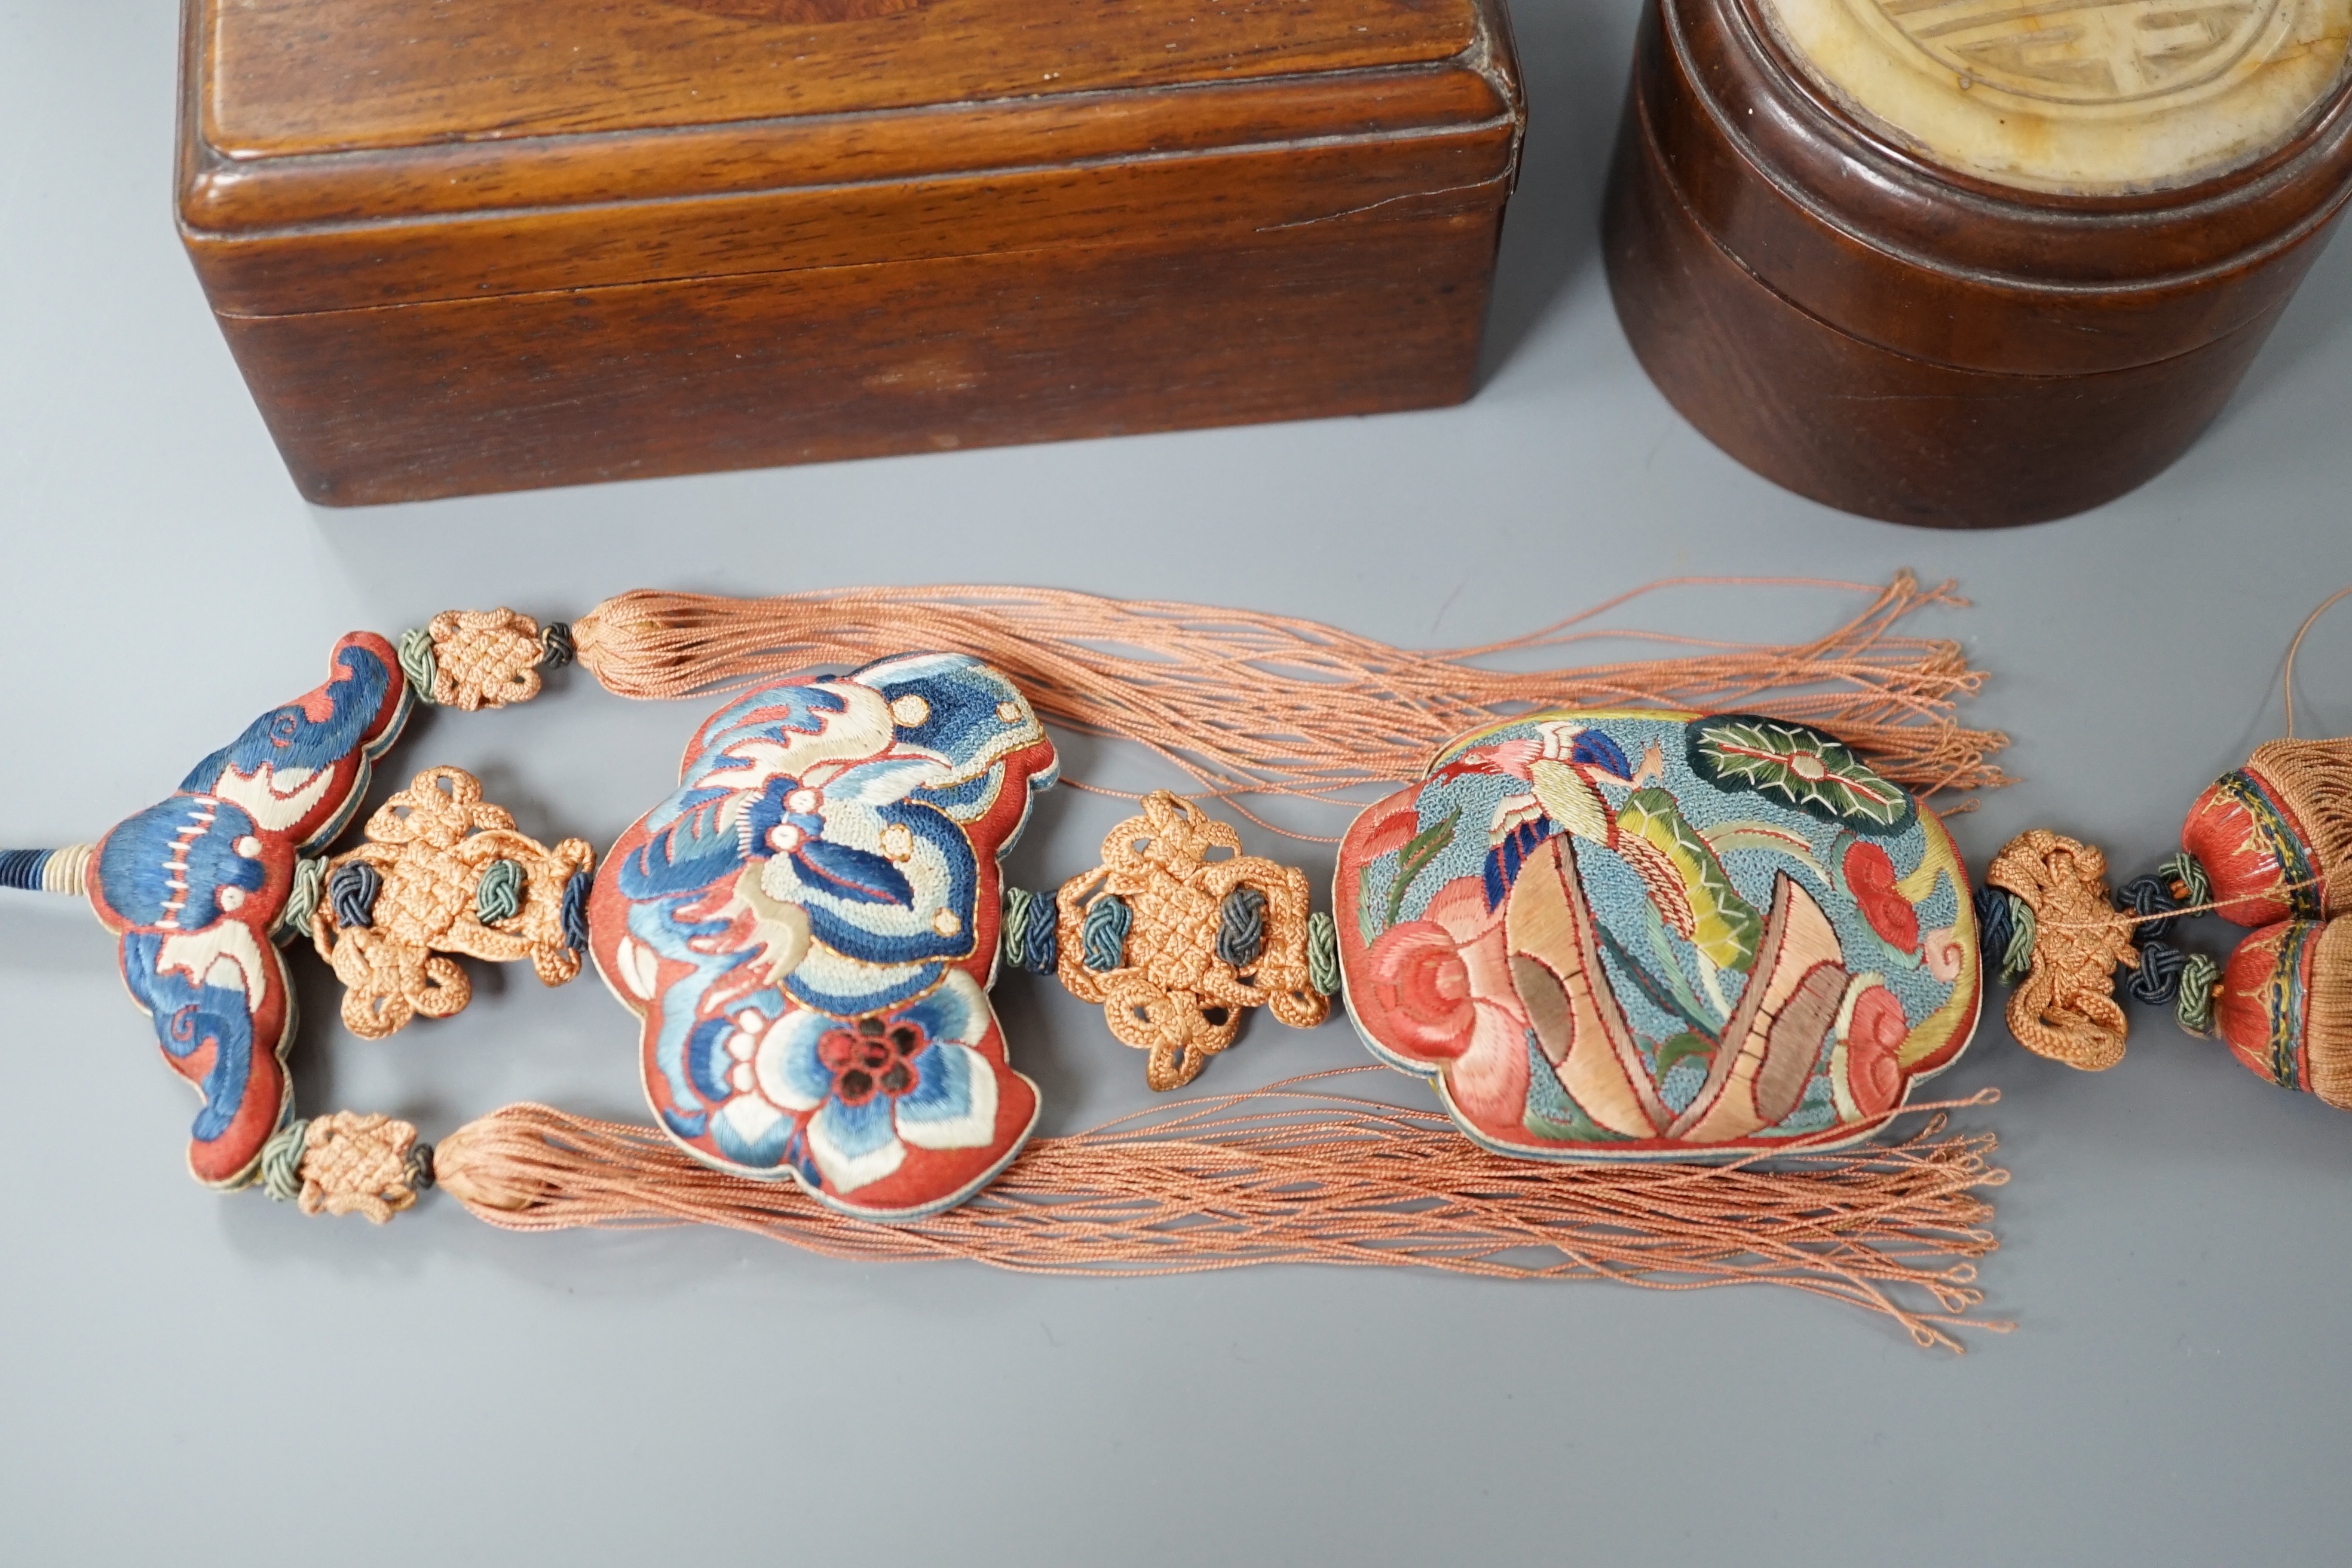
(1323, 954)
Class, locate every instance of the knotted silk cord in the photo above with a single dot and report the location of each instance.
(1247, 703)
(1295, 1173)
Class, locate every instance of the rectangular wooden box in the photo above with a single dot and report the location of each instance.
(511, 243)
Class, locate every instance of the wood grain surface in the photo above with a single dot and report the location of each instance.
(288, 77)
(572, 387)
(450, 260)
(1910, 344)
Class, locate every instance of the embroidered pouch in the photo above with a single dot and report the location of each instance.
(1635, 933)
(195, 885)
(808, 929)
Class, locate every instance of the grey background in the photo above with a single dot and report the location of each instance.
(203, 1379)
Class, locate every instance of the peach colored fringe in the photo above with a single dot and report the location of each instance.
(1292, 1174)
(1249, 703)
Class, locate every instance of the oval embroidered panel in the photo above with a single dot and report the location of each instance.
(1634, 933)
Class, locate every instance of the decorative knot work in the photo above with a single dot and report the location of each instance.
(488, 658)
(1183, 944)
(360, 1165)
(443, 871)
(2066, 1007)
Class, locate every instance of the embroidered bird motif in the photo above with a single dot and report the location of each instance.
(1562, 766)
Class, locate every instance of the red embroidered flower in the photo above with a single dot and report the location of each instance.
(1870, 878)
(1421, 987)
(872, 1058)
(1873, 1042)
(1439, 991)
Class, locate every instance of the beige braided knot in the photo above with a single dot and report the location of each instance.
(353, 1164)
(1173, 996)
(431, 844)
(2065, 1009)
(485, 658)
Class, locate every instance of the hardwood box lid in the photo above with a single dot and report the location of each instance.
(337, 153)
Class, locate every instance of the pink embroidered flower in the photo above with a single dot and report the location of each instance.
(1945, 955)
(1874, 1044)
(1440, 991)
(1870, 878)
(1420, 985)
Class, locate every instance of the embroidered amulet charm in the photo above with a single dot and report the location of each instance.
(808, 927)
(195, 885)
(1645, 933)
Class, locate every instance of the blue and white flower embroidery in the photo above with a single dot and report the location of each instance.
(808, 923)
(877, 1086)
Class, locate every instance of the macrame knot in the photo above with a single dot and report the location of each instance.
(483, 659)
(1323, 954)
(2160, 968)
(556, 648)
(2005, 930)
(303, 898)
(2182, 872)
(1028, 931)
(2066, 1006)
(2151, 900)
(498, 895)
(353, 1164)
(418, 666)
(281, 1160)
(443, 872)
(575, 915)
(352, 894)
(2200, 975)
(1191, 943)
(1241, 927)
(1104, 937)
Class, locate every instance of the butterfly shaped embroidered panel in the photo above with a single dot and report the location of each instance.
(194, 884)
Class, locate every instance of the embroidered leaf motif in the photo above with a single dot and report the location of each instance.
(1424, 848)
(1683, 1045)
(1724, 927)
(1660, 995)
(1796, 763)
(1551, 1112)
(856, 874)
(1726, 837)
(1670, 968)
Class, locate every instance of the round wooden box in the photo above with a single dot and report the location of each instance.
(1970, 263)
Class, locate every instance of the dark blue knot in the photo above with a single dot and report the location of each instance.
(575, 911)
(351, 891)
(2157, 979)
(2151, 899)
(1103, 936)
(1241, 927)
(1041, 947)
(1993, 929)
(555, 646)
